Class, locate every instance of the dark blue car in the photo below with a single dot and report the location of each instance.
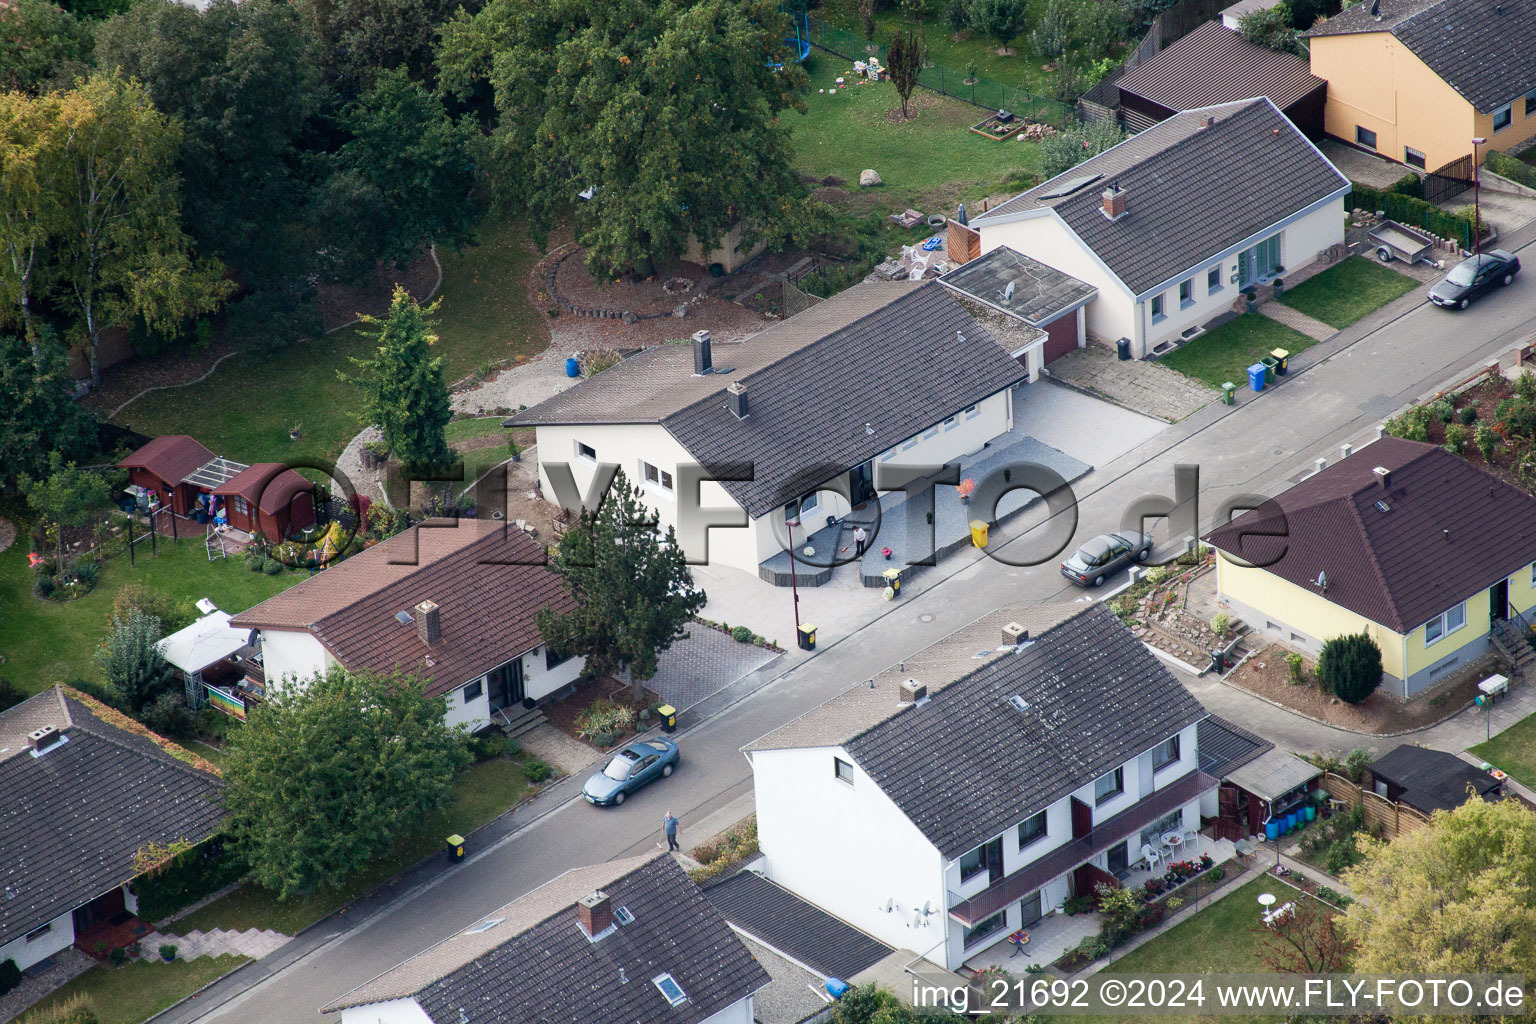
(631, 767)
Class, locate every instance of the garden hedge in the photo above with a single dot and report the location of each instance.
(1513, 168)
(1414, 212)
(201, 871)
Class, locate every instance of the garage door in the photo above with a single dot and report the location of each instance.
(1061, 337)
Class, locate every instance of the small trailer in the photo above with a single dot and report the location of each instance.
(1399, 241)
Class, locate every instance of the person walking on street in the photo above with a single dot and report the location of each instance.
(860, 538)
(669, 826)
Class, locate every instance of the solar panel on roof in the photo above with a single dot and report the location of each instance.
(1069, 186)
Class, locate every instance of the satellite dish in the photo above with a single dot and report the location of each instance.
(917, 920)
(890, 905)
(1008, 292)
(927, 907)
(1322, 579)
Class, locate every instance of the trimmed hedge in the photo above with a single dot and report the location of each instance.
(1513, 168)
(199, 872)
(1414, 212)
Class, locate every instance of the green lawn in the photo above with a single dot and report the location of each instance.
(484, 791)
(1224, 354)
(140, 989)
(1513, 750)
(1347, 291)
(846, 130)
(46, 642)
(244, 411)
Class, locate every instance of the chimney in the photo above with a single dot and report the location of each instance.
(39, 740)
(429, 625)
(1114, 202)
(703, 362)
(1014, 634)
(736, 399)
(1384, 475)
(912, 691)
(595, 914)
(1208, 121)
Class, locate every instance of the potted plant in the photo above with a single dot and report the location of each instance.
(965, 488)
(1251, 297)
(1279, 286)
(167, 952)
(296, 432)
(886, 552)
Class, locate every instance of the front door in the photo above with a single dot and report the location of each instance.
(506, 685)
(102, 908)
(861, 485)
(1119, 859)
(1030, 909)
(1498, 601)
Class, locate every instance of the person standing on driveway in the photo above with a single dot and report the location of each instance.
(860, 538)
(669, 826)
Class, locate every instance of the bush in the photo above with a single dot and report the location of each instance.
(9, 695)
(1409, 184)
(1215, 874)
(190, 876)
(73, 1010)
(1092, 947)
(118, 956)
(275, 317)
(537, 771)
(1525, 386)
(1329, 895)
(271, 566)
(1487, 441)
(603, 721)
(1513, 168)
(1355, 764)
(254, 560)
(512, 747)
(1467, 414)
(169, 715)
(1297, 666)
(172, 615)
(742, 635)
(1350, 666)
(1442, 410)
(485, 745)
(10, 976)
(1408, 210)
(1221, 624)
(44, 587)
(1456, 438)
(1077, 905)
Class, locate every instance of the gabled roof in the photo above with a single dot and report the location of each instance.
(72, 818)
(771, 913)
(486, 578)
(1440, 532)
(268, 485)
(1481, 48)
(1432, 780)
(171, 457)
(968, 763)
(538, 965)
(1225, 747)
(848, 396)
(1212, 65)
(1192, 190)
(1040, 293)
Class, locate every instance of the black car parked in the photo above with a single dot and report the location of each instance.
(1473, 276)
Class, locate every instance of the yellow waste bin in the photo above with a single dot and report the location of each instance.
(807, 637)
(892, 581)
(668, 715)
(978, 533)
(455, 848)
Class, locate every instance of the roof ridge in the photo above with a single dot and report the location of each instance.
(1370, 553)
(116, 735)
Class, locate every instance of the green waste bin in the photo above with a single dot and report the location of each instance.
(807, 637)
(1229, 393)
(668, 715)
(1270, 364)
(455, 848)
(1282, 359)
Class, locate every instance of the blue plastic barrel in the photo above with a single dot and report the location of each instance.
(1271, 830)
(837, 988)
(1256, 376)
(573, 368)
(1311, 812)
(1290, 822)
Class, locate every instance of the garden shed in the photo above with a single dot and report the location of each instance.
(268, 498)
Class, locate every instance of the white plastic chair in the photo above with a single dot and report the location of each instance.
(1151, 855)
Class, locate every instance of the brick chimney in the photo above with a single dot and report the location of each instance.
(1114, 202)
(1014, 634)
(1384, 476)
(736, 399)
(595, 914)
(912, 691)
(429, 625)
(703, 361)
(39, 740)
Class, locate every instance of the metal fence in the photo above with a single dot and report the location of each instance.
(946, 80)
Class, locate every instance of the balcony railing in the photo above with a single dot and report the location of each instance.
(1082, 849)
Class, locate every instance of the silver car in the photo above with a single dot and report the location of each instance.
(1105, 555)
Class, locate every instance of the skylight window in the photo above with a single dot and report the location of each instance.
(623, 916)
(404, 618)
(670, 989)
(1019, 703)
(485, 926)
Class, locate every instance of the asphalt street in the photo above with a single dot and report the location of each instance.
(1338, 392)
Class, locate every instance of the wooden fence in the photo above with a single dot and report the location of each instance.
(1391, 818)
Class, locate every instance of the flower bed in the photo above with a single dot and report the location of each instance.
(741, 634)
(1179, 874)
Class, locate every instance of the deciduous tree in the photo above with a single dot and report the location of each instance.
(904, 61)
(327, 774)
(1306, 941)
(29, 199)
(38, 413)
(669, 111)
(66, 497)
(360, 38)
(42, 47)
(633, 592)
(405, 395)
(131, 660)
(1350, 666)
(1071, 146)
(1003, 20)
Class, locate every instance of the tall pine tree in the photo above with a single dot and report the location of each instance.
(405, 395)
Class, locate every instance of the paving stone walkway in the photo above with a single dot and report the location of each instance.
(1297, 320)
(253, 942)
(1137, 384)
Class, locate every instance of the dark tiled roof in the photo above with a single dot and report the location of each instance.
(1432, 780)
(72, 819)
(270, 485)
(1191, 191)
(967, 765)
(171, 457)
(1481, 48)
(900, 369)
(1213, 65)
(539, 967)
(1449, 530)
(1040, 293)
(769, 912)
(1224, 746)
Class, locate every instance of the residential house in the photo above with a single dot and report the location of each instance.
(1417, 80)
(885, 373)
(1426, 553)
(1429, 780)
(452, 602)
(976, 786)
(176, 474)
(1170, 224)
(629, 941)
(1043, 298)
(85, 790)
(1214, 65)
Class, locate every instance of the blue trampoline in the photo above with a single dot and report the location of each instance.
(798, 44)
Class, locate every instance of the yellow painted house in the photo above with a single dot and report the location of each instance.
(1402, 540)
(1417, 80)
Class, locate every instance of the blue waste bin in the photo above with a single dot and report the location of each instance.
(573, 368)
(1256, 376)
(1271, 830)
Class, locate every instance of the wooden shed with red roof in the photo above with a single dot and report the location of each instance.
(163, 466)
(268, 498)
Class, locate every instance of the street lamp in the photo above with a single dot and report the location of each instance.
(1477, 218)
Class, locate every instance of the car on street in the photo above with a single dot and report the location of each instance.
(1474, 276)
(631, 767)
(1105, 555)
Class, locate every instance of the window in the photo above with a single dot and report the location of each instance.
(1153, 833)
(1165, 753)
(44, 930)
(1110, 786)
(474, 690)
(986, 927)
(242, 506)
(1413, 158)
(1530, 103)
(843, 770)
(1502, 117)
(586, 451)
(1033, 829)
(1157, 308)
(1365, 137)
(931, 432)
(670, 988)
(1213, 281)
(1449, 622)
(950, 423)
(986, 857)
(971, 412)
(656, 477)
(553, 657)
(888, 456)
(1186, 293)
(1533, 574)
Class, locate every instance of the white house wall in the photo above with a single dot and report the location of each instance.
(1111, 314)
(739, 1012)
(846, 848)
(60, 935)
(960, 435)
(538, 682)
(394, 1011)
(289, 655)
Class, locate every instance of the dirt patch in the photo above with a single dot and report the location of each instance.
(341, 303)
(470, 444)
(521, 501)
(563, 713)
(1380, 714)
